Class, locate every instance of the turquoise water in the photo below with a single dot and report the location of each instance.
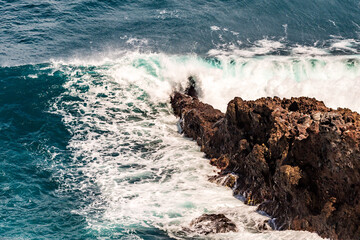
(89, 148)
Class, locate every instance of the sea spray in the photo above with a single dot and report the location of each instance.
(332, 79)
(125, 144)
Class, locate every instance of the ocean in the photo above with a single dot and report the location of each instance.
(89, 147)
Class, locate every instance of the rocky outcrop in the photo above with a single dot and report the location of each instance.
(212, 223)
(296, 158)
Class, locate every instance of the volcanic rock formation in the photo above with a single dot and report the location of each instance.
(296, 158)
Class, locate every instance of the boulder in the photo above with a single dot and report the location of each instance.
(212, 223)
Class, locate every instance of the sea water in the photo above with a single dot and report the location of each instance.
(89, 147)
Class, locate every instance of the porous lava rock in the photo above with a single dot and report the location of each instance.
(212, 223)
(296, 158)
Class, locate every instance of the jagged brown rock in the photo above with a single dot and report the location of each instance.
(299, 159)
(212, 223)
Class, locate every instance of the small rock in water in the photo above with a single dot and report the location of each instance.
(213, 223)
(191, 89)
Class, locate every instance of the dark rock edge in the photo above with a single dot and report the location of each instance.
(296, 158)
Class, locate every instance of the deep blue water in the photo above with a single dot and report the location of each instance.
(33, 31)
(50, 72)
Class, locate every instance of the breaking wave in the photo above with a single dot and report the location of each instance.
(128, 155)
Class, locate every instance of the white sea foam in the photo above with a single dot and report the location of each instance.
(260, 47)
(215, 28)
(125, 141)
(137, 41)
(345, 44)
(33, 76)
(163, 14)
(334, 80)
(309, 51)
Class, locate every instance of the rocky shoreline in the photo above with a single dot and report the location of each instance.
(297, 159)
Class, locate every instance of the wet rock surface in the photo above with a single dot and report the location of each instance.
(297, 158)
(212, 223)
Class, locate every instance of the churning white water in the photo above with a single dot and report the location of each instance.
(126, 144)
